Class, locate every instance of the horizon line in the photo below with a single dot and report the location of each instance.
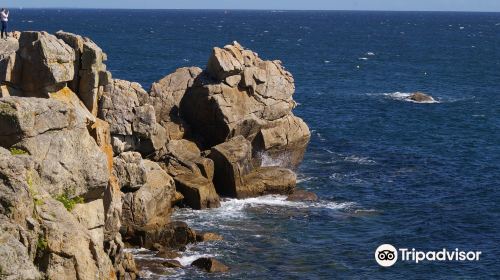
(254, 9)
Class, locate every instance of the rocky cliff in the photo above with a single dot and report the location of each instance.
(90, 164)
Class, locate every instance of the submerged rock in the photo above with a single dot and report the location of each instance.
(208, 236)
(210, 265)
(302, 195)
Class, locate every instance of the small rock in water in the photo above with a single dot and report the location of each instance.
(210, 265)
(208, 236)
(172, 264)
(168, 254)
(301, 195)
(421, 97)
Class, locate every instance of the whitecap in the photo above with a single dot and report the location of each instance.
(363, 58)
(187, 260)
(360, 160)
(327, 61)
(370, 53)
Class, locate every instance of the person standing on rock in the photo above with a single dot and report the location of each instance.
(4, 16)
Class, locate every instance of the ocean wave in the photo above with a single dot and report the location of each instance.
(232, 208)
(191, 257)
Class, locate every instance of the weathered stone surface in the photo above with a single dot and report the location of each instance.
(240, 94)
(192, 173)
(68, 158)
(68, 250)
(18, 230)
(91, 216)
(210, 265)
(198, 191)
(47, 63)
(130, 171)
(133, 123)
(166, 96)
(232, 163)
(152, 203)
(15, 262)
(90, 71)
(268, 180)
(10, 71)
(283, 142)
(302, 195)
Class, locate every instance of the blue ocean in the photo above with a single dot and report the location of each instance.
(423, 176)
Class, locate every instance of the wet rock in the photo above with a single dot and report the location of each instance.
(172, 264)
(175, 235)
(167, 253)
(268, 180)
(210, 265)
(421, 97)
(208, 236)
(302, 195)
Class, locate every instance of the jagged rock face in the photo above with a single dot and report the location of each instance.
(18, 230)
(240, 94)
(47, 63)
(70, 251)
(133, 122)
(166, 95)
(193, 174)
(90, 71)
(38, 230)
(68, 158)
(150, 192)
(9, 70)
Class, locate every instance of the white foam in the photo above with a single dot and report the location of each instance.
(187, 260)
(363, 58)
(370, 53)
(360, 160)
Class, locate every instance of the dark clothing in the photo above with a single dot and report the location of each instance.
(4, 28)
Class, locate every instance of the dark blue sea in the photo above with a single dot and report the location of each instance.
(425, 176)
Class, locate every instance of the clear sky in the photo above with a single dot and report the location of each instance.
(405, 5)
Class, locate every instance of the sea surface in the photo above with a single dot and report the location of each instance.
(425, 176)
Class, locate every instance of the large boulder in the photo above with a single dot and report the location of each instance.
(166, 95)
(10, 71)
(240, 94)
(235, 176)
(133, 122)
(150, 204)
(68, 159)
(233, 161)
(46, 62)
(174, 235)
(193, 174)
(91, 75)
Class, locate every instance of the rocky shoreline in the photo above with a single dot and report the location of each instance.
(91, 165)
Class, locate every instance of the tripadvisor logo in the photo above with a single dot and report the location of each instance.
(387, 255)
